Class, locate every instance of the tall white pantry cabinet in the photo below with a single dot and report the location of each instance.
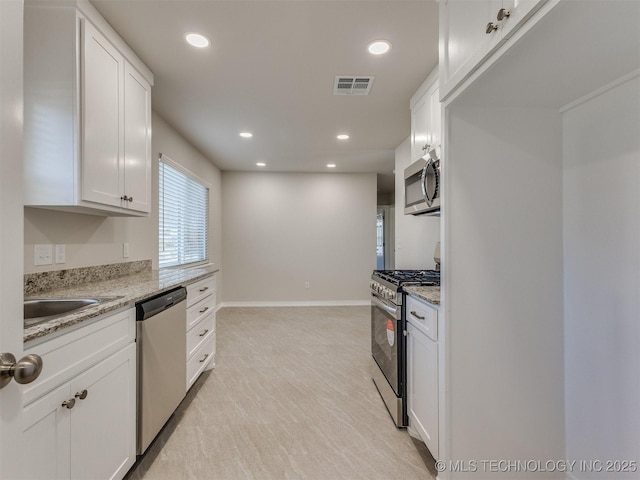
(540, 184)
(87, 114)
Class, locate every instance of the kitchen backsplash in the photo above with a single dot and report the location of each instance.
(42, 281)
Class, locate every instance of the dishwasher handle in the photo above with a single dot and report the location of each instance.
(159, 303)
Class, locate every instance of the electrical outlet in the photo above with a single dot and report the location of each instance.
(307, 284)
(43, 255)
(125, 250)
(61, 254)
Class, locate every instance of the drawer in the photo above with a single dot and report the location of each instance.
(197, 291)
(200, 333)
(201, 359)
(66, 356)
(197, 312)
(422, 316)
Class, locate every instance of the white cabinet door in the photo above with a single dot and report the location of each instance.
(46, 432)
(470, 31)
(463, 37)
(422, 386)
(137, 140)
(103, 424)
(102, 101)
(420, 120)
(435, 119)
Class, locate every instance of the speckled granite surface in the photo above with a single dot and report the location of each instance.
(44, 281)
(428, 294)
(129, 289)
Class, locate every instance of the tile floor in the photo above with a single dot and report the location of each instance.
(290, 398)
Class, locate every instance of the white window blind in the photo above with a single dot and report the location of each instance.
(183, 216)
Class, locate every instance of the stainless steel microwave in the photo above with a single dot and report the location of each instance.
(422, 185)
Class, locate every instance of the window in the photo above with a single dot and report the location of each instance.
(183, 213)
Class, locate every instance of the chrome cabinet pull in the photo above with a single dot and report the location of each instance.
(81, 394)
(206, 355)
(204, 333)
(204, 309)
(415, 314)
(503, 13)
(491, 27)
(69, 404)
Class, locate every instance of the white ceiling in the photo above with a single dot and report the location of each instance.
(270, 70)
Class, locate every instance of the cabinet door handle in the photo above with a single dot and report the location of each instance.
(206, 355)
(415, 314)
(204, 309)
(503, 13)
(204, 333)
(81, 394)
(204, 289)
(491, 27)
(69, 404)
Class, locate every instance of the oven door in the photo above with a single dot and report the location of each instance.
(387, 342)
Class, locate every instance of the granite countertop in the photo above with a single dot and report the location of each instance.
(428, 294)
(129, 289)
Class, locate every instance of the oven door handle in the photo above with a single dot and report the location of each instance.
(379, 303)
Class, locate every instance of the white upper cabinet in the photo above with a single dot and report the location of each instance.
(425, 117)
(470, 30)
(87, 114)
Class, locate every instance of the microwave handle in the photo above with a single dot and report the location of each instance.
(423, 182)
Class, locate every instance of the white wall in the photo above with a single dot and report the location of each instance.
(281, 230)
(93, 240)
(415, 236)
(602, 281)
(503, 284)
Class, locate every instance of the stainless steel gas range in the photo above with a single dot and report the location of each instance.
(388, 331)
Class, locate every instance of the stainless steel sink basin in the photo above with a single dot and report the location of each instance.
(43, 309)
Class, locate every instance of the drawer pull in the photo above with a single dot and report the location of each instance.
(206, 355)
(413, 312)
(204, 333)
(204, 309)
(69, 404)
(82, 394)
(204, 289)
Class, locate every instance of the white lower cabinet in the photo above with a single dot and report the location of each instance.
(422, 372)
(85, 428)
(201, 328)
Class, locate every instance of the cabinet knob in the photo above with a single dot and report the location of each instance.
(126, 199)
(503, 13)
(81, 394)
(131, 199)
(491, 27)
(425, 147)
(406, 333)
(69, 404)
(25, 370)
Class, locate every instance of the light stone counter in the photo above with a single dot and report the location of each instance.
(428, 294)
(129, 289)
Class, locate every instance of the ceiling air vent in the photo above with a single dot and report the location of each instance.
(352, 85)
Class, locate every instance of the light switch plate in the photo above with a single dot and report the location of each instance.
(125, 250)
(61, 253)
(43, 254)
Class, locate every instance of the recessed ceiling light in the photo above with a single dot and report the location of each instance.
(261, 164)
(246, 134)
(197, 40)
(378, 47)
(343, 136)
(331, 165)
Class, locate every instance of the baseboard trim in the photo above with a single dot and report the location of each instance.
(317, 303)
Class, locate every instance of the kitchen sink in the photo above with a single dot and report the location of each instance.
(43, 309)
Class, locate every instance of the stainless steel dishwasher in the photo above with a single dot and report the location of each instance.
(161, 348)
